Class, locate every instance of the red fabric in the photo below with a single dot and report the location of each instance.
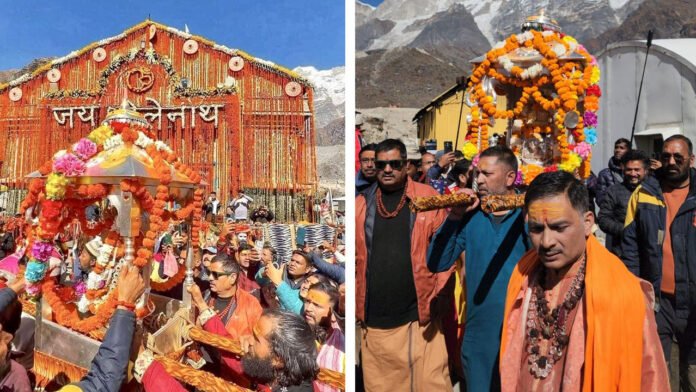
(358, 147)
(245, 316)
(246, 284)
(157, 379)
(428, 284)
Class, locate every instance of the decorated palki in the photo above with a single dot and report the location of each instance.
(551, 85)
(122, 168)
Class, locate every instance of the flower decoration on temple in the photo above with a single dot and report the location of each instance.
(100, 134)
(63, 199)
(68, 164)
(55, 186)
(151, 57)
(41, 251)
(85, 149)
(113, 142)
(554, 119)
(469, 150)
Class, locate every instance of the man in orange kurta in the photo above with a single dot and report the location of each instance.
(575, 318)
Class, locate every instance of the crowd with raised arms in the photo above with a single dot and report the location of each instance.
(286, 315)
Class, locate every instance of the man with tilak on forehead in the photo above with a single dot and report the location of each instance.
(575, 318)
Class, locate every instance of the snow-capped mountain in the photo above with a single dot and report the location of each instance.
(329, 111)
(327, 83)
(329, 93)
(494, 18)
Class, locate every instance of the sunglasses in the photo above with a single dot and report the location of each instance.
(396, 164)
(216, 275)
(678, 158)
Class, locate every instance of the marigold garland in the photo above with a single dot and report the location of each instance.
(552, 85)
(69, 318)
(62, 203)
(169, 283)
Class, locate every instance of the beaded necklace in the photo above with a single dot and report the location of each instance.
(224, 313)
(546, 324)
(382, 210)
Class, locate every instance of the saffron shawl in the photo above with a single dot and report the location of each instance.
(615, 313)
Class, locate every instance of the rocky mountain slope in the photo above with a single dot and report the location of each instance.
(667, 18)
(452, 32)
(329, 109)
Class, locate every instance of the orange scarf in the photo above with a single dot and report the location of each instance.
(615, 314)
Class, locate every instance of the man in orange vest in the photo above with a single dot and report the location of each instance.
(226, 310)
(575, 318)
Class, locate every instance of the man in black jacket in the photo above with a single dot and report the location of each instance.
(659, 245)
(367, 174)
(612, 174)
(612, 209)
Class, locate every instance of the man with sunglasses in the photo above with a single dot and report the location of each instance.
(235, 309)
(659, 245)
(226, 310)
(402, 347)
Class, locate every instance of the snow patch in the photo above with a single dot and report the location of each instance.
(617, 4)
(483, 13)
(360, 3)
(329, 83)
(397, 37)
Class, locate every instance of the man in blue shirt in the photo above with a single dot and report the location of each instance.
(490, 245)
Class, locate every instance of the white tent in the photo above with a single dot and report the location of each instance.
(668, 100)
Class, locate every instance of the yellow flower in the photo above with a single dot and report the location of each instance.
(55, 186)
(594, 78)
(568, 39)
(571, 164)
(100, 134)
(469, 151)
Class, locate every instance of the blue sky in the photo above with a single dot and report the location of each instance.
(287, 32)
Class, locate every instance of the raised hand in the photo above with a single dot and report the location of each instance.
(130, 284)
(274, 274)
(196, 295)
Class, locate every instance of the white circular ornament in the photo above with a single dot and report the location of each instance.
(190, 46)
(53, 75)
(293, 89)
(15, 94)
(99, 55)
(236, 63)
(152, 31)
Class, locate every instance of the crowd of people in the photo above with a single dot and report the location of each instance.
(286, 315)
(556, 294)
